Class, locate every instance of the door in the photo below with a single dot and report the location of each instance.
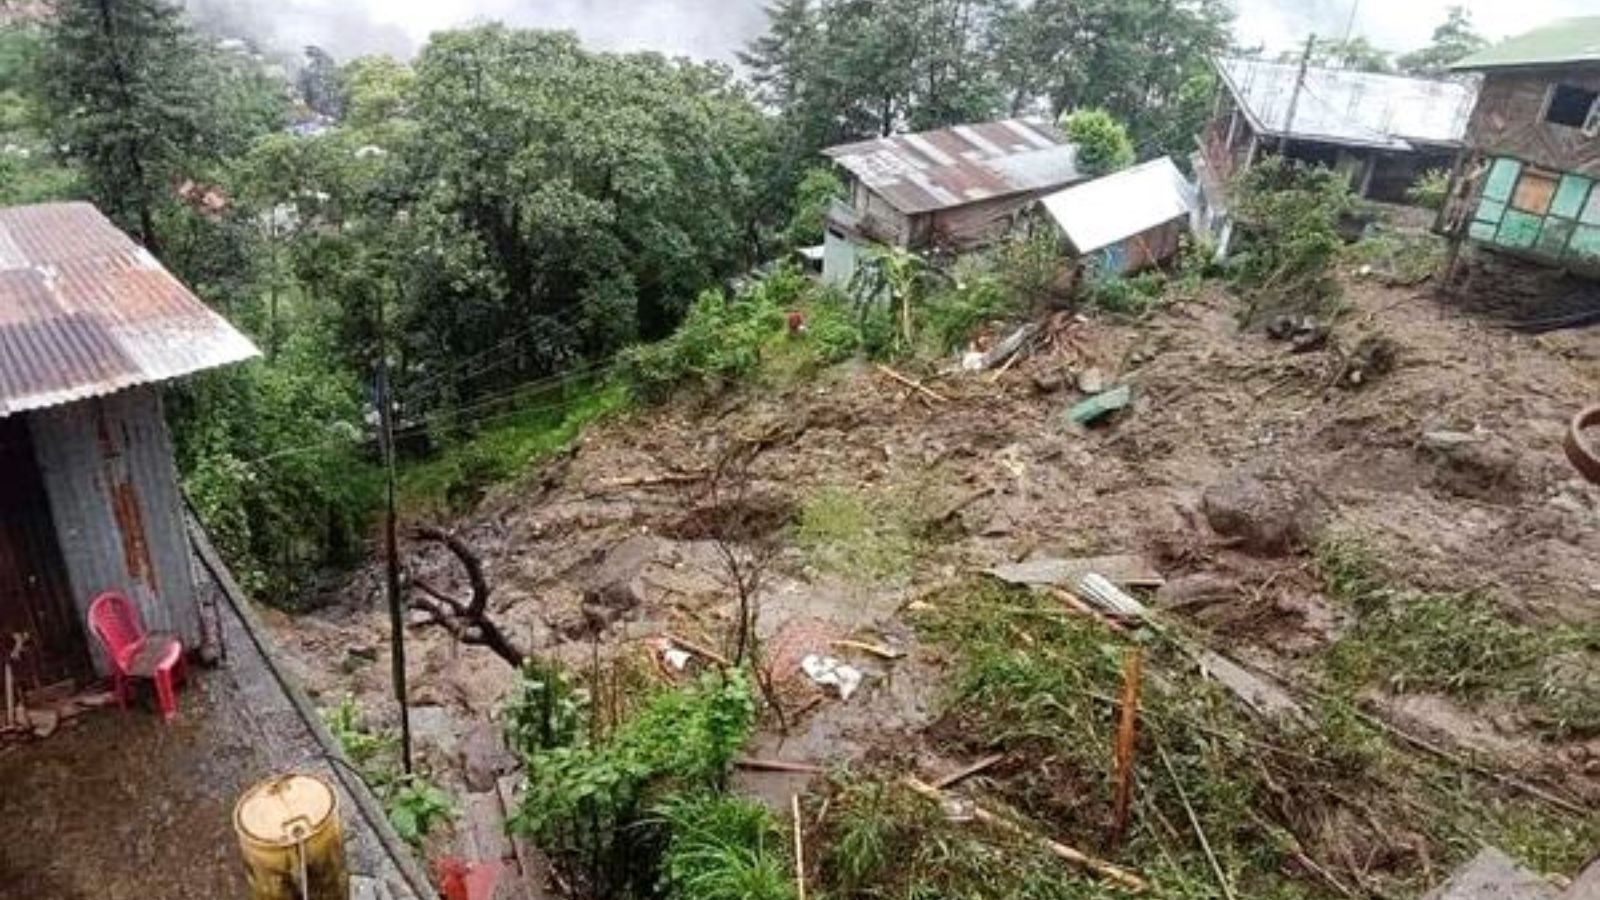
(35, 600)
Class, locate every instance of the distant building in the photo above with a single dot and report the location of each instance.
(1528, 182)
(1384, 131)
(1126, 222)
(955, 188)
(90, 324)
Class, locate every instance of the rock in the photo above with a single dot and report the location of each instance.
(1049, 382)
(1492, 875)
(1480, 466)
(617, 582)
(484, 756)
(1092, 380)
(1267, 517)
(357, 656)
(431, 726)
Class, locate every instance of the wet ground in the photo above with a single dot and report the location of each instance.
(119, 806)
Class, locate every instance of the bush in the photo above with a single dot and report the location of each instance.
(812, 197)
(1132, 296)
(1103, 143)
(1289, 216)
(587, 800)
(1430, 190)
(952, 315)
(415, 806)
(723, 848)
(720, 338)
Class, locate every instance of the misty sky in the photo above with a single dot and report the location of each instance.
(716, 28)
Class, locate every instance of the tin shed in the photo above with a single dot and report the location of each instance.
(90, 324)
(1127, 221)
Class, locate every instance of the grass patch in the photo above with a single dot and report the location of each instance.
(457, 478)
(868, 537)
(1406, 257)
(1460, 644)
(724, 848)
(1040, 685)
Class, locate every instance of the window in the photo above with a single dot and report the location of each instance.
(1574, 107)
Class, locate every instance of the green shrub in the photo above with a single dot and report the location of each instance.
(1132, 296)
(723, 848)
(720, 338)
(812, 197)
(1103, 142)
(1289, 218)
(1430, 189)
(415, 806)
(951, 316)
(587, 801)
(833, 330)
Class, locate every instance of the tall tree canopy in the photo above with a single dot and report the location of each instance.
(1455, 39)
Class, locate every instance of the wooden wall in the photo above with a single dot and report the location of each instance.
(1509, 120)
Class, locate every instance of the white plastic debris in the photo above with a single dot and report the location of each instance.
(830, 672)
(971, 361)
(677, 659)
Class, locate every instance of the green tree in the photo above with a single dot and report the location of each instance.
(815, 193)
(1356, 54)
(122, 86)
(1103, 143)
(1136, 59)
(1454, 40)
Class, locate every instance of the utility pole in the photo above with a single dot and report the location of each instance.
(1350, 26)
(397, 617)
(1299, 85)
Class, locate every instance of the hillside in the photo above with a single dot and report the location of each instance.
(1410, 555)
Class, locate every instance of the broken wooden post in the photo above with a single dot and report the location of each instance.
(1127, 737)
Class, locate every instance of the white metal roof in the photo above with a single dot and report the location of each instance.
(1356, 108)
(1099, 213)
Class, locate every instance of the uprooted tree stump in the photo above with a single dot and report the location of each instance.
(468, 621)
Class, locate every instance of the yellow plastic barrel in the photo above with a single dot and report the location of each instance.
(290, 838)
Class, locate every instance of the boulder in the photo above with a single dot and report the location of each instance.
(1266, 516)
(617, 582)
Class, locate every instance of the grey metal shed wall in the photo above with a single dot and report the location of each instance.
(108, 469)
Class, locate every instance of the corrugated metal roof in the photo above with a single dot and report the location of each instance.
(1562, 42)
(1108, 210)
(84, 312)
(1355, 108)
(933, 170)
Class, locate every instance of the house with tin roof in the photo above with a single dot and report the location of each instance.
(1383, 131)
(1528, 183)
(953, 189)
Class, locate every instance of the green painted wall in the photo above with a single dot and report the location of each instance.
(1568, 231)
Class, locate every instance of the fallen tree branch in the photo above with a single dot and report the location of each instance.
(917, 386)
(699, 648)
(467, 621)
(962, 774)
(1100, 867)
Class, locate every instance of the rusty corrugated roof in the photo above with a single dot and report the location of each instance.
(84, 312)
(951, 167)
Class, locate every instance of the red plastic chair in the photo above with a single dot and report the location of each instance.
(134, 653)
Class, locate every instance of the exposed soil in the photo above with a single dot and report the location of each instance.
(1236, 456)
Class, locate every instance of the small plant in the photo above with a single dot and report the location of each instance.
(953, 315)
(546, 711)
(416, 806)
(1132, 296)
(1430, 189)
(723, 848)
(364, 746)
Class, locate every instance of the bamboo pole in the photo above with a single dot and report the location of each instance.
(1127, 739)
(1100, 867)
